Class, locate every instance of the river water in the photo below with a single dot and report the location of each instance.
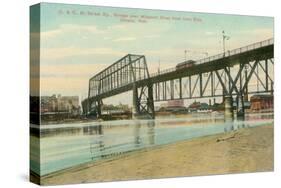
(67, 145)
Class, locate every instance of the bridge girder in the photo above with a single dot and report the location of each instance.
(230, 80)
(125, 72)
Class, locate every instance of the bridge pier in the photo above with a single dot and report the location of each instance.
(240, 110)
(228, 108)
(99, 103)
(150, 102)
(228, 113)
(143, 104)
(93, 105)
(135, 109)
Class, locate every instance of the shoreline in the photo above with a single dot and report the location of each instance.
(245, 150)
(158, 113)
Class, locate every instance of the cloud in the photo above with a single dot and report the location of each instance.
(118, 27)
(107, 38)
(63, 85)
(151, 36)
(57, 53)
(258, 31)
(71, 71)
(67, 79)
(71, 28)
(65, 29)
(153, 67)
(114, 32)
(124, 39)
(241, 38)
(209, 33)
(51, 33)
(177, 55)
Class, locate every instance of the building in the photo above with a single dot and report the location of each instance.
(67, 103)
(194, 107)
(199, 107)
(173, 106)
(261, 102)
(175, 103)
(58, 103)
(48, 104)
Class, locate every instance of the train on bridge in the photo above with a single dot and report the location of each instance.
(186, 64)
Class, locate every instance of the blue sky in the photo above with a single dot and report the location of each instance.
(74, 47)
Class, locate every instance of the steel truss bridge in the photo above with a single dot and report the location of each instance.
(228, 74)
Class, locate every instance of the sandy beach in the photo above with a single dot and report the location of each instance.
(245, 150)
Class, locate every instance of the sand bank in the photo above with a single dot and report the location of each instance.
(246, 150)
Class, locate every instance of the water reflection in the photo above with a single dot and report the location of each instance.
(62, 147)
(151, 132)
(234, 125)
(137, 137)
(93, 130)
(228, 127)
(240, 122)
(60, 131)
(96, 143)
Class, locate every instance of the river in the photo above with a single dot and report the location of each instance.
(66, 145)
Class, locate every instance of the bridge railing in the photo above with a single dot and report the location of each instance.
(222, 55)
(237, 51)
(163, 71)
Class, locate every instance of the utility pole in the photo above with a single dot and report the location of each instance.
(257, 77)
(224, 37)
(207, 54)
(185, 51)
(158, 66)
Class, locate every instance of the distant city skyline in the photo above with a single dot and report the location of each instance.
(75, 47)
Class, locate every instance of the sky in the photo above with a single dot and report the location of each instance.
(79, 41)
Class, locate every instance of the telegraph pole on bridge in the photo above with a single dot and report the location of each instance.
(224, 38)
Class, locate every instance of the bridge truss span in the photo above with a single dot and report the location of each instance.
(124, 75)
(237, 80)
(125, 71)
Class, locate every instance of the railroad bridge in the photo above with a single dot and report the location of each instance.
(226, 75)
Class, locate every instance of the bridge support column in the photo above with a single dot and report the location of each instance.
(240, 107)
(228, 113)
(143, 104)
(135, 109)
(246, 98)
(228, 108)
(150, 102)
(99, 103)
